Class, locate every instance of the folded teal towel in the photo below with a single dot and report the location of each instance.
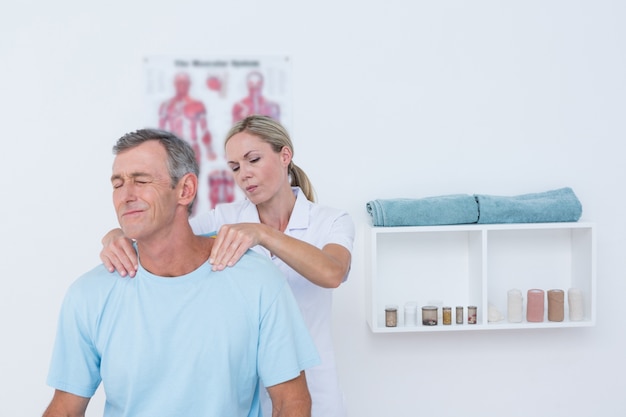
(559, 205)
(429, 211)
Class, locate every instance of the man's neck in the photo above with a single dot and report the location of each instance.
(175, 256)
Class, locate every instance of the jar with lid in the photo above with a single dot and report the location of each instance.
(471, 314)
(429, 315)
(391, 315)
(447, 315)
(459, 314)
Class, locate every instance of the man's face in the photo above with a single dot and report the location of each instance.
(143, 197)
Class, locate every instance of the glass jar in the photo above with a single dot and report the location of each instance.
(429, 315)
(459, 314)
(391, 316)
(447, 315)
(471, 314)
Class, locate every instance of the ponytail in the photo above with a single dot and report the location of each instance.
(300, 179)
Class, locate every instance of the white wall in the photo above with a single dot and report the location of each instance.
(392, 99)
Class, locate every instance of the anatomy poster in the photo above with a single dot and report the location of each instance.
(199, 98)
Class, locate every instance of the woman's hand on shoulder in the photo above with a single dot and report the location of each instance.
(232, 241)
(118, 253)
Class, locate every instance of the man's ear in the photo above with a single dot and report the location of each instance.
(188, 188)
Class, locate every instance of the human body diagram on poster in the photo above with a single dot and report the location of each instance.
(198, 100)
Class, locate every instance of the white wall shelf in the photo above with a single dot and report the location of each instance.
(477, 265)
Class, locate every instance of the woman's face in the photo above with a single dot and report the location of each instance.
(258, 170)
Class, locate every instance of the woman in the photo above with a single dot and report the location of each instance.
(310, 243)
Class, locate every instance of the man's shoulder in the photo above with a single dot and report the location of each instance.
(255, 260)
(257, 270)
(98, 278)
(258, 281)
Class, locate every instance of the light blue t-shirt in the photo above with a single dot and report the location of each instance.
(195, 345)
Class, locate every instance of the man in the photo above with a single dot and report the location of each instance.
(178, 339)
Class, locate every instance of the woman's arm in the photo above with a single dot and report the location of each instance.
(326, 267)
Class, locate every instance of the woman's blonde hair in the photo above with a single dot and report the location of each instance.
(273, 133)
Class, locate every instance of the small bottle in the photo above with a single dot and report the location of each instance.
(459, 314)
(410, 314)
(471, 314)
(429, 315)
(447, 315)
(391, 316)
